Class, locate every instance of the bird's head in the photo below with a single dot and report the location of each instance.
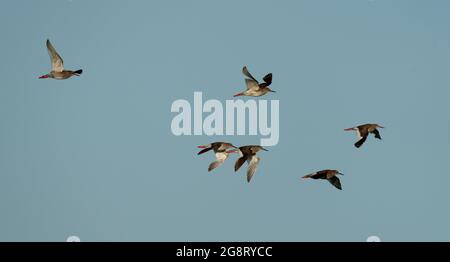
(235, 150)
(339, 173)
(261, 148)
(233, 146)
(270, 90)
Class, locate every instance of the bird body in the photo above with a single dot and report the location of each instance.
(363, 132)
(62, 75)
(254, 88)
(328, 174)
(58, 71)
(221, 152)
(248, 153)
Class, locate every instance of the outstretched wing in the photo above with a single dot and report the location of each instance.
(254, 162)
(220, 159)
(56, 60)
(377, 133)
(239, 163)
(268, 79)
(247, 74)
(361, 141)
(334, 180)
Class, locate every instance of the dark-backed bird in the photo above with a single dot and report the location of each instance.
(254, 88)
(58, 71)
(328, 174)
(363, 131)
(248, 153)
(221, 151)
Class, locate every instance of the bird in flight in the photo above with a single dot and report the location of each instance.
(248, 153)
(221, 151)
(254, 88)
(363, 131)
(328, 174)
(58, 71)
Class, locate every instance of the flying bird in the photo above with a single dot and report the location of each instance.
(363, 131)
(248, 153)
(330, 175)
(221, 151)
(58, 71)
(254, 88)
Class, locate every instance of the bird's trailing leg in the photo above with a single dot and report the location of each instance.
(206, 148)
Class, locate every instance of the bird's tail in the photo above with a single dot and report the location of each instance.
(78, 72)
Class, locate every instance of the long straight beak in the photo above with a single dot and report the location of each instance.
(264, 149)
(340, 174)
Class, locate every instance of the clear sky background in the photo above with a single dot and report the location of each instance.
(94, 156)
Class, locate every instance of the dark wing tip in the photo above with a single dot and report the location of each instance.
(335, 182)
(245, 70)
(239, 162)
(360, 142)
(377, 134)
(268, 79)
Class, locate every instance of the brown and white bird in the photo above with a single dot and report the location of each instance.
(254, 88)
(58, 71)
(328, 174)
(363, 131)
(248, 153)
(221, 151)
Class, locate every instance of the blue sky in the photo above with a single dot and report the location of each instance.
(94, 156)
